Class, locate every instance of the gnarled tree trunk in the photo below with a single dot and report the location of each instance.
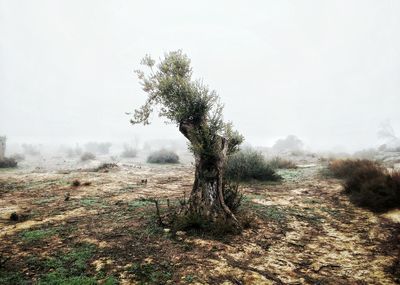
(206, 198)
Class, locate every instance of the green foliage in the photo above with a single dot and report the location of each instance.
(57, 278)
(188, 103)
(148, 273)
(36, 235)
(8, 162)
(163, 156)
(111, 281)
(69, 267)
(15, 278)
(247, 165)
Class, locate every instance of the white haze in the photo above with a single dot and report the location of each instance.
(326, 71)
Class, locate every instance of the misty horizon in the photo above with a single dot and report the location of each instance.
(327, 72)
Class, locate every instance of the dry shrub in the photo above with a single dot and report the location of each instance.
(368, 184)
(281, 163)
(343, 168)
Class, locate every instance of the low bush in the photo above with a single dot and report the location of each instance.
(343, 168)
(281, 163)
(129, 152)
(163, 156)
(87, 156)
(247, 165)
(105, 167)
(8, 162)
(368, 184)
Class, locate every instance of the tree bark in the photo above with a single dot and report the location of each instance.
(206, 198)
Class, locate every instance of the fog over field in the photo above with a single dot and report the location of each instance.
(325, 71)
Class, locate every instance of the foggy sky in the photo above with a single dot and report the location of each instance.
(326, 71)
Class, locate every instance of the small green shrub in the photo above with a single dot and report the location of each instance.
(247, 165)
(163, 156)
(36, 235)
(8, 163)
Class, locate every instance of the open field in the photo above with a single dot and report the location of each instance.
(304, 231)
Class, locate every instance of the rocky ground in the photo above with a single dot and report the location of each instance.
(303, 231)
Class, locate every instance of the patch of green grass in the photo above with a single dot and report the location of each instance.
(129, 188)
(88, 201)
(268, 212)
(12, 278)
(65, 267)
(111, 281)
(57, 278)
(148, 273)
(45, 201)
(189, 278)
(36, 235)
(92, 202)
(138, 204)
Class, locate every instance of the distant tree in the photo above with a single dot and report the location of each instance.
(197, 111)
(290, 143)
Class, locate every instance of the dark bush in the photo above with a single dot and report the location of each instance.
(8, 162)
(88, 156)
(163, 156)
(76, 183)
(106, 167)
(247, 165)
(368, 184)
(232, 195)
(280, 163)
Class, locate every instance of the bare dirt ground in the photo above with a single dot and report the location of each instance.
(305, 231)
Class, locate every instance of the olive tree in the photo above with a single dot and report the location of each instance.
(197, 112)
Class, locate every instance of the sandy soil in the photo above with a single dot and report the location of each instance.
(304, 230)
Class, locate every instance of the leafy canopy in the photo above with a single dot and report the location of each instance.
(182, 100)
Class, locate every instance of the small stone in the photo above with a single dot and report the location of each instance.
(180, 233)
(167, 230)
(14, 216)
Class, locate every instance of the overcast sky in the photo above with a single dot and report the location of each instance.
(326, 71)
